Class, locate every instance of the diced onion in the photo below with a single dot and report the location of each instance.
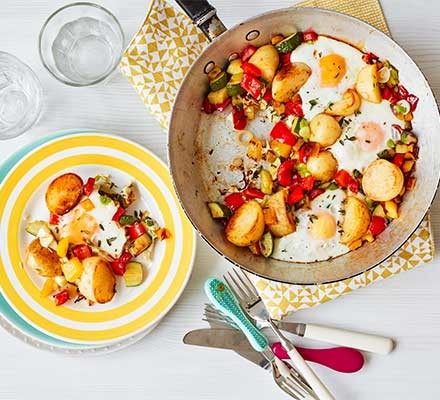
(383, 75)
(244, 137)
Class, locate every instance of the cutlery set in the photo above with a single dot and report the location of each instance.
(239, 321)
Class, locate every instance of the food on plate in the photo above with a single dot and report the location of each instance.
(325, 149)
(94, 233)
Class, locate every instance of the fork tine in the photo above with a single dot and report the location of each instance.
(234, 286)
(290, 391)
(250, 294)
(247, 282)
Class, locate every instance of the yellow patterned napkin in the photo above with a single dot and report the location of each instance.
(155, 63)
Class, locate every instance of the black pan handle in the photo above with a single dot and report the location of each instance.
(204, 17)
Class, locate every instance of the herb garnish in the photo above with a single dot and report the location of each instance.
(312, 217)
(313, 103)
(111, 240)
(101, 227)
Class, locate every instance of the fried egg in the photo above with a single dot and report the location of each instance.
(335, 66)
(317, 235)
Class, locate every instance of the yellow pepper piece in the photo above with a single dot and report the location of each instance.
(355, 244)
(48, 287)
(72, 269)
(391, 209)
(63, 246)
(87, 205)
(369, 237)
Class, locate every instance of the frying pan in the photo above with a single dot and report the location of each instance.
(186, 115)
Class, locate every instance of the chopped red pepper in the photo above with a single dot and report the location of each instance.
(82, 251)
(285, 58)
(398, 160)
(222, 106)
(296, 194)
(284, 173)
(283, 134)
(315, 193)
(310, 36)
(398, 128)
(296, 180)
(307, 150)
(354, 185)
(369, 58)
(238, 118)
(234, 201)
(268, 96)
(343, 178)
(119, 264)
(54, 219)
(125, 257)
(292, 108)
(118, 214)
(251, 69)
(377, 225)
(307, 183)
(136, 230)
(61, 297)
(88, 187)
(208, 107)
(248, 52)
(252, 85)
(413, 100)
(390, 95)
(297, 99)
(402, 92)
(252, 193)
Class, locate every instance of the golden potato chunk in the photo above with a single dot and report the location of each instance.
(44, 261)
(266, 58)
(278, 220)
(367, 85)
(348, 105)
(382, 180)
(288, 80)
(323, 166)
(324, 129)
(64, 193)
(246, 226)
(356, 220)
(97, 282)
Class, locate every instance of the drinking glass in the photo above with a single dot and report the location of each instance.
(20, 96)
(81, 44)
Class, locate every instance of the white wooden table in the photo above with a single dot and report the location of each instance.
(160, 366)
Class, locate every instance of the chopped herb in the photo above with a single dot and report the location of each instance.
(149, 221)
(85, 231)
(211, 151)
(341, 141)
(312, 217)
(351, 138)
(89, 242)
(101, 227)
(136, 214)
(313, 103)
(333, 186)
(340, 231)
(99, 243)
(111, 240)
(296, 219)
(337, 75)
(320, 54)
(112, 185)
(357, 173)
(358, 112)
(328, 205)
(283, 251)
(367, 141)
(57, 229)
(341, 211)
(330, 105)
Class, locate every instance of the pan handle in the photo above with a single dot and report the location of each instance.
(204, 17)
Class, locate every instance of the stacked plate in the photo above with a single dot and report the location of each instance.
(77, 328)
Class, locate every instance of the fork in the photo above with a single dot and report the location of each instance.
(251, 302)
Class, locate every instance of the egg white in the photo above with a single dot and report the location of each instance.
(300, 246)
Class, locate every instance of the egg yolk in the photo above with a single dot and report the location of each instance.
(333, 69)
(80, 229)
(323, 226)
(370, 136)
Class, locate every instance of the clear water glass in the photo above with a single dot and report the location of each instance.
(81, 44)
(20, 96)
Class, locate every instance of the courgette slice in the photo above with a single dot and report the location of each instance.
(290, 43)
(218, 210)
(233, 87)
(35, 226)
(219, 82)
(234, 67)
(133, 274)
(266, 244)
(218, 97)
(379, 211)
(141, 244)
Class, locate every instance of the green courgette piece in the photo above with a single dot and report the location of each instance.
(218, 97)
(35, 226)
(218, 210)
(235, 67)
(139, 245)
(290, 43)
(133, 274)
(233, 87)
(266, 244)
(219, 82)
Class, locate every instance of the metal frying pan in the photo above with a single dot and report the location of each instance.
(187, 114)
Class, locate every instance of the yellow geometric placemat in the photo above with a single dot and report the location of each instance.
(155, 63)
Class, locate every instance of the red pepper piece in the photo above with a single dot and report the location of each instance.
(296, 180)
(307, 150)
(207, 107)
(292, 108)
(297, 99)
(377, 225)
(252, 193)
(54, 219)
(315, 193)
(222, 106)
(252, 85)
(285, 58)
(248, 52)
(118, 267)
(390, 95)
(268, 96)
(238, 118)
(136, 230)
(251, 69)
(398, 160)
(369, 58)
(125, 257)
(354, 185)
(284, 173)
(234, 201)
(343, 178)
(413, 100)
(61, 297)
(82, 251)
(118, 214)
(296, 194)
(307, 183)
(402, 92)
(88, 187)
(283, 134)
(310, 36)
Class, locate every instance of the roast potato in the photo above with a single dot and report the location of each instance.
(324, 129)
(348, 105)
(367, 85)
(323, 166)
(246, 226)
(97, 282)
(64, 193)
(382, 180)
(44, 261)
(278, 220)
(356, 220)
(266, 58)
(288, 80)
(323, 226)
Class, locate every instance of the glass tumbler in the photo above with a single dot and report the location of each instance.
(81, 44)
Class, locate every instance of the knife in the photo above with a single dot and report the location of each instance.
(342, 359)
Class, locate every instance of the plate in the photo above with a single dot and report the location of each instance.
(131, 311)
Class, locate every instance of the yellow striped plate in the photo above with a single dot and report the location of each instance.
(132, 309)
